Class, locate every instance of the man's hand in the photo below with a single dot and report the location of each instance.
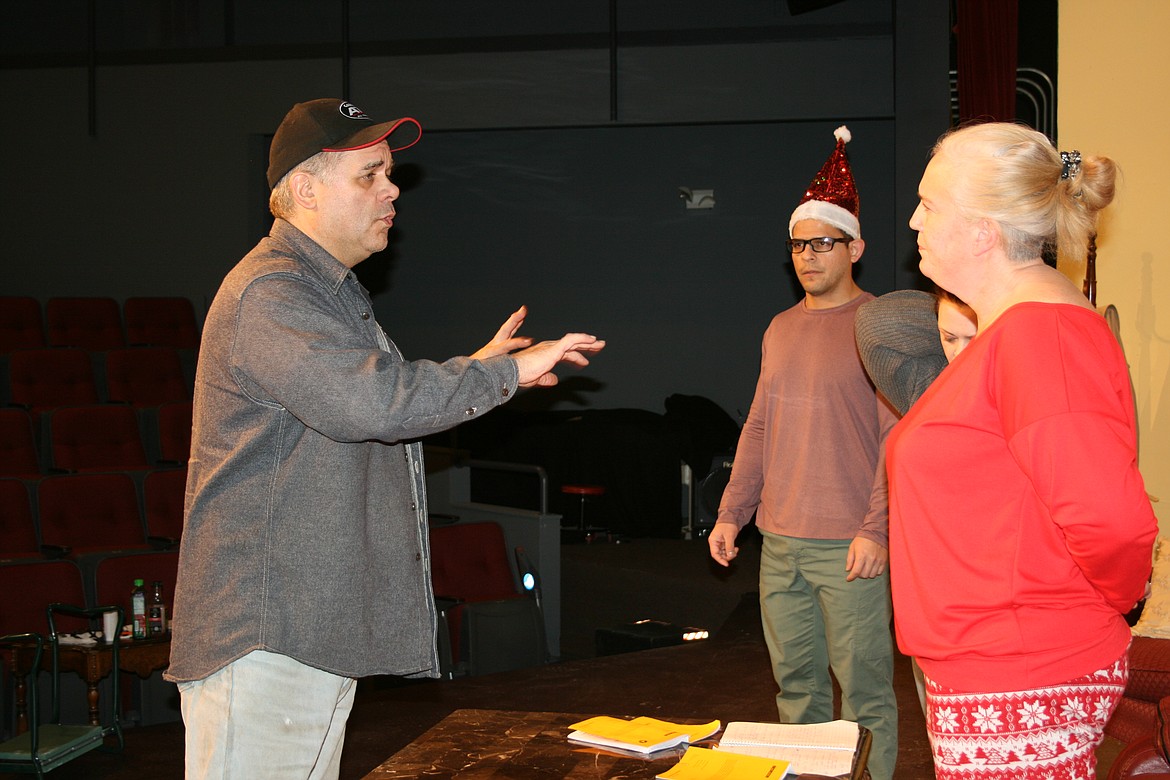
(867, 559)
(721, 540)
(536, 363)
(506, 341)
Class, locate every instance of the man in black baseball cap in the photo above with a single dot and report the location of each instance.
(332, 125)
(304, 562)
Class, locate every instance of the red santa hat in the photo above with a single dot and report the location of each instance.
(832, 196)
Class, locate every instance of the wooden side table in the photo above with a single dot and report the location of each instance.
(92, 663)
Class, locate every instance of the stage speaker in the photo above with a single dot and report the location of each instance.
(710, 490)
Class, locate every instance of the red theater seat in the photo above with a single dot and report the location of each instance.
(492, 626)
(100, 437)
(86, 323)
(85, 513)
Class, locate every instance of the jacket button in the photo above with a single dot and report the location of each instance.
(471, 410)
(365, 315)
(506, 392)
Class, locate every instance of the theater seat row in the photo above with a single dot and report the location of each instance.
(97, 323)
(72, 515)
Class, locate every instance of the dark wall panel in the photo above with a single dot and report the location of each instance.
(588, 229)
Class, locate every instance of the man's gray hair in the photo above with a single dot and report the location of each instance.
(320, 165)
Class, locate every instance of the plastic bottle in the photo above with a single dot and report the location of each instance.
(156, 613)
(138, 609)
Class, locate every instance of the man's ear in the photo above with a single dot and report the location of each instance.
(856, 248)
(303, 187)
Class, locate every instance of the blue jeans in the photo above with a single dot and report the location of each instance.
(813, 620)
(266, 715)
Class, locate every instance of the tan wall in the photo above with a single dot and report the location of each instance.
(1114, 72)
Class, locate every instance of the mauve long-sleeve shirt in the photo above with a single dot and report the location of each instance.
(808, 459)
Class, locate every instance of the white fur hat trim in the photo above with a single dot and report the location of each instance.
(829, 213)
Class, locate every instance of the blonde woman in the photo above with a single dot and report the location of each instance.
(1020, 529)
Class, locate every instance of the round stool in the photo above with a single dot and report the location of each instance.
(583, 492)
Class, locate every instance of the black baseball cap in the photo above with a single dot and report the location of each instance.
(330, 125)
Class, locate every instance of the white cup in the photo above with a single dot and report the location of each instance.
(110, 627)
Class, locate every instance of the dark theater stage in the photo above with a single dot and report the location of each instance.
(604, 586)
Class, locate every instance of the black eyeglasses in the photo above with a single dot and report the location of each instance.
(819, 244)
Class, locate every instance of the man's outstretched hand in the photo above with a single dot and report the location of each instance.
(506, 341)
(536, 361)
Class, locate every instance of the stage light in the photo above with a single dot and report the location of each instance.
(645, 635)
(529, 577)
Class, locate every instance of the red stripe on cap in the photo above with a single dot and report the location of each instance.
(383, 137)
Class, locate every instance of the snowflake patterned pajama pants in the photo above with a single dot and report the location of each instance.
(1048, 733)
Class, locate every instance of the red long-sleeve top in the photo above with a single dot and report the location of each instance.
(1020, 529)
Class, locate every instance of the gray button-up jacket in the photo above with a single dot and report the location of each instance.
(306, 523)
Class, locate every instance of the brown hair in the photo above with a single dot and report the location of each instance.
(946, 295)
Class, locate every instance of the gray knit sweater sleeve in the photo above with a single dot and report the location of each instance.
(897, 337)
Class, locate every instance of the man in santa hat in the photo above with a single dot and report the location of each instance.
(808, 466)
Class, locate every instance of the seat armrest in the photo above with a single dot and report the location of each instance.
(448, 669)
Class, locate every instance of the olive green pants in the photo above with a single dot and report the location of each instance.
(813, 621)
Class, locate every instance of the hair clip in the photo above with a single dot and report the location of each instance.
(1071, 164)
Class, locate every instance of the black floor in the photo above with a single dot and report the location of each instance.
(604, 586)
